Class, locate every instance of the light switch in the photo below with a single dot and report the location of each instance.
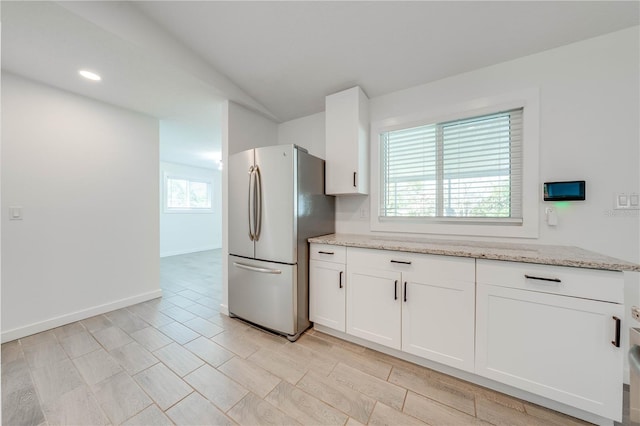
(627, 201)
(15, 213)
(623, 200)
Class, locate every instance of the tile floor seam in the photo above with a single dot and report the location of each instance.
(175, 403)
(33, 383)
(91, 390)
(404, 400)
(475, 406)
(372, 410)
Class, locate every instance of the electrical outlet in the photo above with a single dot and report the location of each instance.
(635, 313)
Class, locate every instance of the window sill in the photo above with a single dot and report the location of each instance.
(188, 211)
(502, 230)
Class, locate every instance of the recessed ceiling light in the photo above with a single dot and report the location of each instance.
(90, 75)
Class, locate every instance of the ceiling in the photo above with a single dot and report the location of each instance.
(290, 55)
(177, 60)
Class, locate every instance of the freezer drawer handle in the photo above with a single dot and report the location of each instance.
(326, 252)
(616, 342)
(531, 277)
(256, 269)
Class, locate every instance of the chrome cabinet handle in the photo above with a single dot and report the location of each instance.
(354, 179)
(326, 252)
(257, 269)
(532, 277)
(405, 291)
(395, 290)
(340, 279)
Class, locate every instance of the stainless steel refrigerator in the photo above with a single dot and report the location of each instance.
(276, 202)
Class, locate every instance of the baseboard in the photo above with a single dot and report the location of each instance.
(224, 309)
(195, 250)
(48, 324)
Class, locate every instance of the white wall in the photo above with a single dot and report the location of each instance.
(589, 129)
(182, 233)
(242, 129)
(86, 176)
(307, 132)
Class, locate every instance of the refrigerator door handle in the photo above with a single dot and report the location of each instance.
(250, 202)
(256, 269)
(258, 207)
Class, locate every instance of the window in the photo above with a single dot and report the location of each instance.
(466, 169)
(462, 170)
(187, 194)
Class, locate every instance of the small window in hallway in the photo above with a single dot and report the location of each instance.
(183, 194)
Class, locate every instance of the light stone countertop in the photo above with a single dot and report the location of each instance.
(528, 253)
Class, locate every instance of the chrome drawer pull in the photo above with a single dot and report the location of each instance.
(531, 277)
(326, 252)
(404, 262)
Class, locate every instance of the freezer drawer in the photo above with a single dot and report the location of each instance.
(264, 293)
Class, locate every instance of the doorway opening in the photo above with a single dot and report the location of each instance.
(191, 212)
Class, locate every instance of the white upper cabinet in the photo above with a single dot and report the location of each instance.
(347, 143)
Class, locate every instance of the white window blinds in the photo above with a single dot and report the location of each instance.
(463, 170)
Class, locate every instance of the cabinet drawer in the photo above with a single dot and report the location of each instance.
(438, 268)
(592, 284)
(328, 253)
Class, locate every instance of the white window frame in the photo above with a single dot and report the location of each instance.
(529, 227)
(165, 198)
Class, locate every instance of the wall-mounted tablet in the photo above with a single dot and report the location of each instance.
(564, 191)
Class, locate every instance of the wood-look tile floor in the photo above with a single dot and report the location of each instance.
(177, 360)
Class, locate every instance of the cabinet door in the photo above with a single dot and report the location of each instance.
(373, 305)
(327, 294)
(347, 124)
(556, 346)
(438, 314)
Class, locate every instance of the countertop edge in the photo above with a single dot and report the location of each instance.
(610, 264)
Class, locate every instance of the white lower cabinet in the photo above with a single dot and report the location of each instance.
(420, 304)
(438, 312)
(327, 294)
(549, 330)
(560, 346)
(327, 286)
(373, 305)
